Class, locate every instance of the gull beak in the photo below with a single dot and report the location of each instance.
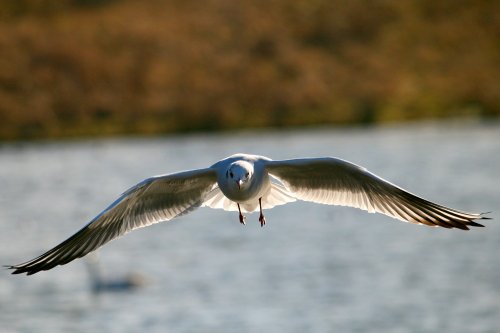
(239, 182)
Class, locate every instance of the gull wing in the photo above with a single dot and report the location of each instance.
(337, 182)
(153, 200)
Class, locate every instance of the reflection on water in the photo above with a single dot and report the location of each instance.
(312, 268)
(116, 283)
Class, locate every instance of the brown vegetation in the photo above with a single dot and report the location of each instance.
(103, 67)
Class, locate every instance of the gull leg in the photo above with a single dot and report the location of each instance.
(262, 219)
(243, 219)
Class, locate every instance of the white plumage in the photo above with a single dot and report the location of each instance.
(248, 183)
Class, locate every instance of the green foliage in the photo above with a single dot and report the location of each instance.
(104, 67)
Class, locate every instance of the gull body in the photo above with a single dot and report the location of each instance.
(247, 183)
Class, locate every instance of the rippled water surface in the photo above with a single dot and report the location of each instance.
(312, 268)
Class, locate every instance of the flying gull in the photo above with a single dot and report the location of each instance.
(247, 183)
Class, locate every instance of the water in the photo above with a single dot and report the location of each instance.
(312, 268)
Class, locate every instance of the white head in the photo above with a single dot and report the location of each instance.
(239, 174)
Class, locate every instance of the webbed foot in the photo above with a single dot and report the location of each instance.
(243, 219)
(262, 220)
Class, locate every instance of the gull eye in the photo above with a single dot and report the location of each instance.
(247, 174)
(231, 174)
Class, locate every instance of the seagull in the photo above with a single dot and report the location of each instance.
(248, 183)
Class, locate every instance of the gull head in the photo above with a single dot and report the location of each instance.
(238, 174)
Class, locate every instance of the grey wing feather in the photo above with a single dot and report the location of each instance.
(337, 182)
(153, 200)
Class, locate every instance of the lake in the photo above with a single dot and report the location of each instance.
(312, 268)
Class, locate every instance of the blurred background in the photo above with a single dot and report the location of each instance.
(97, 95)
(103, 67)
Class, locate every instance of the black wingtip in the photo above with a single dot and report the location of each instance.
(471, 222)
(20, 270)
(482, 217)
(24, 270)
(12, 267)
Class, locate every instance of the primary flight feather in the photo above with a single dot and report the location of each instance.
(246, 183)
